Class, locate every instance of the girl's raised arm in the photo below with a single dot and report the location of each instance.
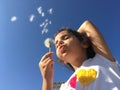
(97, 39)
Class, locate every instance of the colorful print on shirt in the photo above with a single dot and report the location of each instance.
(84, 76)
(73, 82)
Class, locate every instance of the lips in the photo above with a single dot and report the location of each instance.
(61, 48)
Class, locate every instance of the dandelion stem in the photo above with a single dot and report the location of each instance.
(49, 49)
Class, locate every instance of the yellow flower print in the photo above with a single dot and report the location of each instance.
(86, 77)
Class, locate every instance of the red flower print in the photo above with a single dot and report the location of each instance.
(73, 81)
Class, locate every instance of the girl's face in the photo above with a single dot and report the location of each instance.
(67, 46)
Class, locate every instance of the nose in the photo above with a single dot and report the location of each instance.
(59, 42)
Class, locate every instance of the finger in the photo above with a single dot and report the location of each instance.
(47, 59)
(49, 54)
(49, 63)
(45, 62)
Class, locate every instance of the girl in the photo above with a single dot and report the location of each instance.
(88, 55)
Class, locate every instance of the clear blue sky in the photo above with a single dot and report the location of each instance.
(25, 24)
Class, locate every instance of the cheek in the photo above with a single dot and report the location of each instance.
(73, 43)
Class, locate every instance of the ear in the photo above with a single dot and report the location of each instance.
(85, 44)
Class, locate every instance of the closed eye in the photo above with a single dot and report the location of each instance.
(65, 37)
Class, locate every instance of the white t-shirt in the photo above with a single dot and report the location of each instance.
(97, 73)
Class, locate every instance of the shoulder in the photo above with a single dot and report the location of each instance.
(97, 60)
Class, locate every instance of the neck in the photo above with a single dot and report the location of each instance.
(78, 62)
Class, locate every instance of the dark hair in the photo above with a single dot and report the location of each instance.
(82, 37)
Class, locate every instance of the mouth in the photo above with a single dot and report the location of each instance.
(61, 48)
(62, 51)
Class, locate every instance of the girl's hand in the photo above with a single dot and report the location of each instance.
(46, 66)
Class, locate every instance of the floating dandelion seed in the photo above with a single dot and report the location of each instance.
(31, 18)
(39, 9)
(50, 11)
(48, 43)
(13, 19)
